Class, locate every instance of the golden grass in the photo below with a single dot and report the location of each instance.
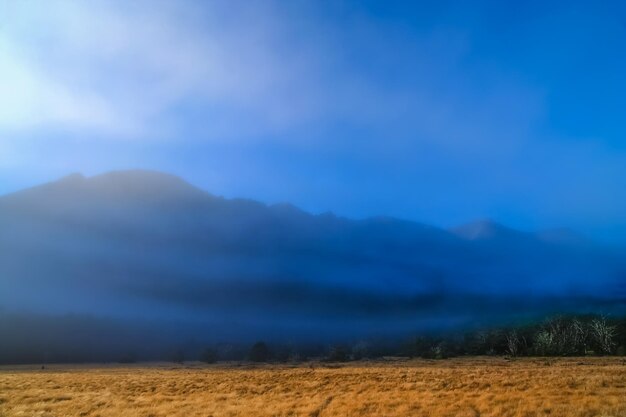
(458, 387)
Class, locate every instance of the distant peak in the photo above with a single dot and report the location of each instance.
(143, 175)
(482, 229)
(73, 177)
(143, 182)
(286, 207)
(328, 215)
(563, 235)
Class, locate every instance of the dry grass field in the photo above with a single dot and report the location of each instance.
(457, 387)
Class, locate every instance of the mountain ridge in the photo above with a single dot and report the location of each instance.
(136, 180)
(140, 244)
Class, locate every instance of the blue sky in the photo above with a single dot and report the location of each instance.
(440, 112)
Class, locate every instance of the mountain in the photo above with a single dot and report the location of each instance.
(564, 236)
(149, 250)
(486, 229)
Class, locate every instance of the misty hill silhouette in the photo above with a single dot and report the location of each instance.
(486, 230)
(134, 245)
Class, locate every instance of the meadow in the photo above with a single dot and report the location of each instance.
(456, 387)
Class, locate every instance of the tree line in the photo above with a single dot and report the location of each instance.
(555, 336)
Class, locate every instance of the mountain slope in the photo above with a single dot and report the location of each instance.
(145, 245)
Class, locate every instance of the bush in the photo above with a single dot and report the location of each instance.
(178, 356)
(602, 335)
(128, 358)
(338, 353)
(361, 350)
(561, 336)
(422, 347)
(544, 343)
(209, 355)
(556, 336)
(514, 343)
(259, 352)
(431, 348)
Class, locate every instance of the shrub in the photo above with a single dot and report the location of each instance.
(209, 355)
(361, 350)
(338, 353)
(128, 358)
(513, 343)
(177, 356)
(602, 335)
(259, 352)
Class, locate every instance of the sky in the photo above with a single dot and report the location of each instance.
(440, 112)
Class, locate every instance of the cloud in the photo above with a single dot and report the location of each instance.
(30, 99)
(128, 70)
(155, 70)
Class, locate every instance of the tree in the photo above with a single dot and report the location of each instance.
(178, 356)
(602, 335)
(361, 350)
(209, 355)
(338, 353)
(424, 347)
(476, 343)
(128, 358)
(513, 343)
(259, 352)
(544, 343)
(561, 336)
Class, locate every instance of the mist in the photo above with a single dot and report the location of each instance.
(144, 262)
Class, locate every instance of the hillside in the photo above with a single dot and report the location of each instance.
(147, 247)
